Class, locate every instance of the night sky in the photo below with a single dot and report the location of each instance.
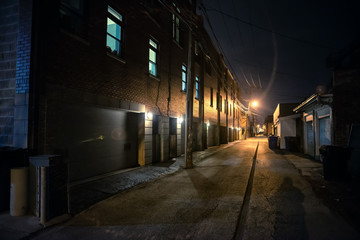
(277, 50)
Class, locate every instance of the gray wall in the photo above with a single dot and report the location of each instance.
(9, 17)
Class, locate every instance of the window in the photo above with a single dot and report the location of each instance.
(211, 97)
(219, 102)
(153, 57)
(176, 25)
(226, 107)
(196, 48)
(183, 78)
(114, 36)
(208, 67)
(176, 28)
(197, 83)
(72, 16)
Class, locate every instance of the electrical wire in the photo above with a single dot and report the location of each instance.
(217, 40)
(271, 31)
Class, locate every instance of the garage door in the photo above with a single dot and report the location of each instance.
(325, 131)
(94, 140)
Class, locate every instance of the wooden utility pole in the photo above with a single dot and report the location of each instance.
(189, 106)
(202, 127)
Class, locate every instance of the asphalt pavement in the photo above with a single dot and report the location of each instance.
(86, 194)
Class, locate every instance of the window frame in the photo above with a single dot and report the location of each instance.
(155, 49)
(119, 22)
(218, 101)
(78, 14)
(183, 80)
(176, 28)
(176, 25)
(197, 87)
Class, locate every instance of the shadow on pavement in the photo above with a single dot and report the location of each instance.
(290, 217)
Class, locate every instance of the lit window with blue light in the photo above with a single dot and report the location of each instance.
(153, 57)
(183, 78)
(114, 34)
(197, 84)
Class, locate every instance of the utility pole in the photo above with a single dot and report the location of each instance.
(189, 105)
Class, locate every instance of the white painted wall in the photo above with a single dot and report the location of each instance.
(287, 129)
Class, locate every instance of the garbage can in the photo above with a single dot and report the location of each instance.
(10, 158)
(273, 142)
(19, 191)
(292, 144)
(334, 160)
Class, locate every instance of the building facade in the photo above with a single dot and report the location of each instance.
(104, 83)
(286, 123)
(317, 118)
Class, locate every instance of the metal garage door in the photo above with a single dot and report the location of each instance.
(310, 138)
(325, 131)
(95, 140)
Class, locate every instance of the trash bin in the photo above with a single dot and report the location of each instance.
(19, 191)
(273, 142)
(10, 157)
(334, 160)
(292, 144)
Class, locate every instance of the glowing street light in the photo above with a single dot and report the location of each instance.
(253, 104)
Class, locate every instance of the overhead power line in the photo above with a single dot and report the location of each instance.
(218, 42)
(270, 31)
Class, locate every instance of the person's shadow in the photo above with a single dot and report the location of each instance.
(290, 214)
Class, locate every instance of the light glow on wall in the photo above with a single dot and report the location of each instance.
(148, 115)
(180, 119)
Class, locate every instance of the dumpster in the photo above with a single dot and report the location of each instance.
(273, 142)
(334, 160)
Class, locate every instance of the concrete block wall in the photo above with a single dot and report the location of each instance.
(9, 17)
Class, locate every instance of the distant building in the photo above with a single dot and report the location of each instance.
(317, 119)
(269, 130)
(286, 123)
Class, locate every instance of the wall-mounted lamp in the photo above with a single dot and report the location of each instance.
(148, 115)
(208, 124)
(180, 120)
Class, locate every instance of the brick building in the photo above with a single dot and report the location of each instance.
(104, 83)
